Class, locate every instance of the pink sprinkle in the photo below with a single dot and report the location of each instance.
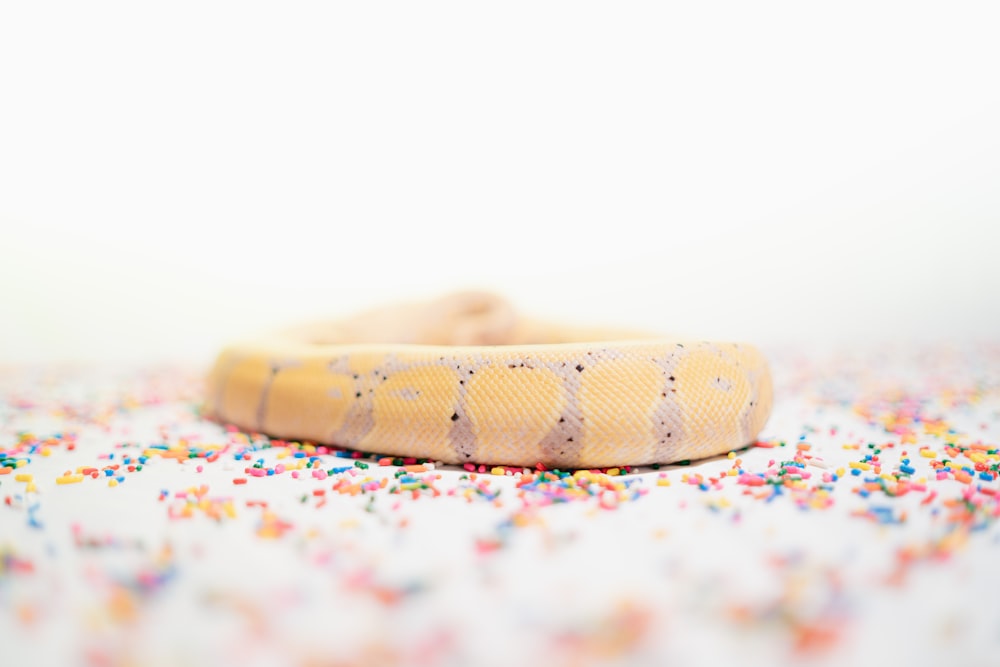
(608, 500)
(471, 467)
(319, 473)
(280, 468)
(200, 468)
(295, 474)
(257, 472)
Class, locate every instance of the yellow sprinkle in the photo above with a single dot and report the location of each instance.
(112, 482)
(840, 472)
(69, 479)
(731, 472)
(614, 471)
(663, 481)
(21, 463)
(45, 451)
(859, 465)
(497, 471)
(30, 488)
(23, 477)
(928, 453)
(732, 455)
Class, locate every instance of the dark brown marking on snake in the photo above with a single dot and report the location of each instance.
(359, 420)
(461, 437)
(760, 382)
(562, 445)
(668, 422)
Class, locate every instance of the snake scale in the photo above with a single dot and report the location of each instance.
(466, 379)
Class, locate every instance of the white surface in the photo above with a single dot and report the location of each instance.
(678, 575)
(175, 175)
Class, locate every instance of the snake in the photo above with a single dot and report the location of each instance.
(465, 378)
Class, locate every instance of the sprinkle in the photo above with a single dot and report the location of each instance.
(69, 479)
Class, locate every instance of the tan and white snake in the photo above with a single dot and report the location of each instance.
(465, 379)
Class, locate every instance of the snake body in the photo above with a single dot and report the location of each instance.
(464, 379)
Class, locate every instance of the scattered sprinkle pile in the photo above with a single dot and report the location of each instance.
(861, 516)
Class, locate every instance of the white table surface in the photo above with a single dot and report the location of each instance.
(178, 565)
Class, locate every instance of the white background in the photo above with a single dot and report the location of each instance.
(173, 175)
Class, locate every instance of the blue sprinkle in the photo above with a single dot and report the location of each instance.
(986, 476)
(855, 471)
(909, 470)
(108, 472)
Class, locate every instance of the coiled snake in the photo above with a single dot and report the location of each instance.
(465, 379)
